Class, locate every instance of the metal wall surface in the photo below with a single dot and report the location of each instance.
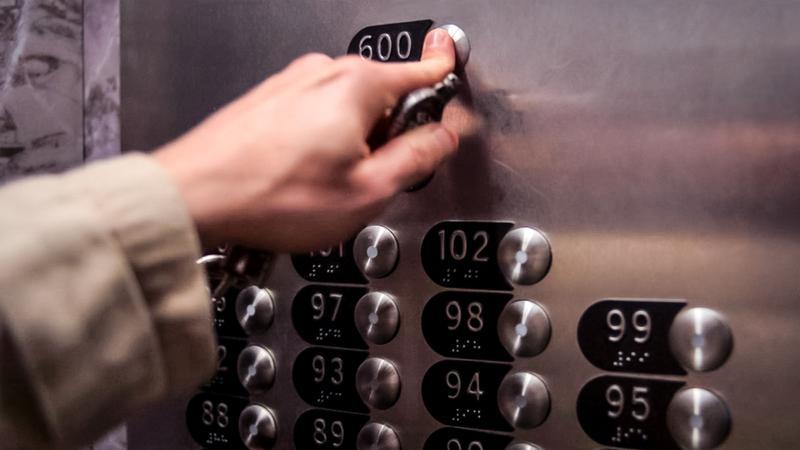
(656, 144)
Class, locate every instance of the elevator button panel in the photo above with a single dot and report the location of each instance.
(256, 368)
(700, 339)
(225, 379)
(258, 427)
(226, 323)
(378, 383)
(394, 42)
(698, 419)
(459, 324)
(524, 256)
(524, 400)
(524, 328)
(326, 378)
(464, 394)
(376, 251)
(255, 309)
(328, 430)
(377, 317)
(461, 439)
(213, 420)
(378, 436)
(630, 336)
(627, 412)
(464, 255)
(335, 264)
(454, 321)
(325, 315)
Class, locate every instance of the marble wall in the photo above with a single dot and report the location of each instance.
(59, 84)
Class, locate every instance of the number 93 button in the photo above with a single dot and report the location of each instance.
(378, 383)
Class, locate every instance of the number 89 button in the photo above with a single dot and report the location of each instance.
(258, 427)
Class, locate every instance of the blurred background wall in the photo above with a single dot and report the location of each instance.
(59, 84)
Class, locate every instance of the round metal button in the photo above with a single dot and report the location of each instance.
(255, 309)
(698, 419)
(461, 42)
(378, 383)
(523, 446)
(524, 256)
(256, 368)
(258, 427)
(376, 251)
(377, 317)
(377, 436)
(524, 400)
(700, 339)
(524, 328)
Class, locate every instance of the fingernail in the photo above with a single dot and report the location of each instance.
(436, 38)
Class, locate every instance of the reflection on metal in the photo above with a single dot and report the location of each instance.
(378, 383)
(524, 256)
(524, 328)
(524, 400)
(256, 368)
(698, 419)
(258, 427)
(700, 339)
(461, 41)
(522, 446)
(378, 436)
(377, 317)
(376, 251)
(255, 309)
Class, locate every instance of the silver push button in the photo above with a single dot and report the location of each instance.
(377, 436)
(378, 383)
(524, 256)
(258, 428)
(463, 48)
(256, 369)
(377, 317)
(523, 446)
(698, 419)
(700, 339)
(376, 251)
(524, 400)
(524, 328)
(255, 309)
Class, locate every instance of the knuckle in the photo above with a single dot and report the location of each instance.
(355, 67)
(306, 61)
(313, 58)
(371, 190)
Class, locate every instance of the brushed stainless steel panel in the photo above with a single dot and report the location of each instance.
(656, 144)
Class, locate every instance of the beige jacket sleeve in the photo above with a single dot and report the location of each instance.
(102, 308)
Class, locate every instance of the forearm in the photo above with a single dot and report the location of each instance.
(101, 306)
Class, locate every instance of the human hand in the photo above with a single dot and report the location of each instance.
(286, 167)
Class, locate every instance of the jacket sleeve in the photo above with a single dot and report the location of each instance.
(102, 307)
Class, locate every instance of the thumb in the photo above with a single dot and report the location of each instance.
(412, 156)
(438, 59)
